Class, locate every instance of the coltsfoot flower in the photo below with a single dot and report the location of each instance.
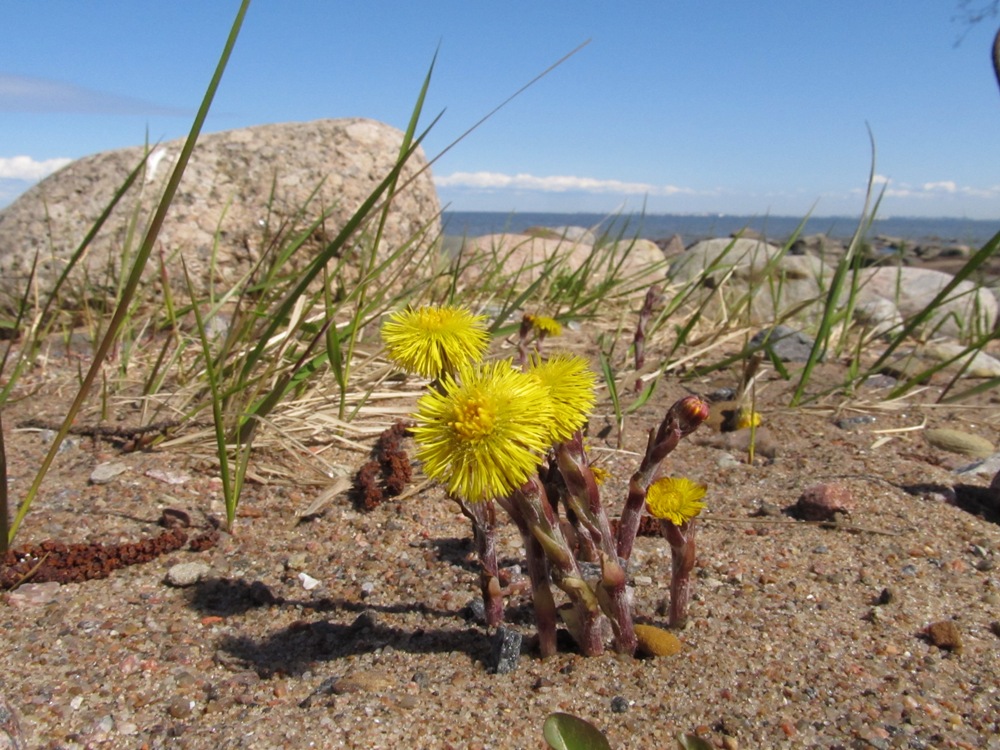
(544, 325)
(675, 499)
(570, 383)
(435, 341)
(483, 433)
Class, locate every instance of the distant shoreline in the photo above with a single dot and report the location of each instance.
(973, 232)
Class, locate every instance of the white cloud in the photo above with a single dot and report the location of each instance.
(947, 186)
(551, 184)
(26, 168)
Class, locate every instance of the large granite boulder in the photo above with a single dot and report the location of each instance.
(968, 311)
(240, 189)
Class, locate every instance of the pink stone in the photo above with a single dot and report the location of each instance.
(821, 501)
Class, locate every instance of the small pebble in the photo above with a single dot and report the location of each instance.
(33, 594)
(850, 423)
(619, 705)
(822, 502)
(506, 651)
(957, 441)
(180, 708)
(885, 597)
(308, 582)
(944, 635)
(475, 610)
(187, 574)
(105, 472)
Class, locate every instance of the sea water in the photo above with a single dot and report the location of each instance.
(693, 227)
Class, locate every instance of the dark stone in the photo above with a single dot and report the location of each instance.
(506, 651)
(785, 343)
(475, 611)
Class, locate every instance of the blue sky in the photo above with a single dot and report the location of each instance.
(681, 107)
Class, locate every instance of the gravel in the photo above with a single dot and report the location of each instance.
(801, 634)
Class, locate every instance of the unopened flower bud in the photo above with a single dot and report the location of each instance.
(691, 411)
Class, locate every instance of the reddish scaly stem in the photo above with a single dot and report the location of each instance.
(680, 420)
(639, 341)
(531, 504)
(584, 499)
(682, 555)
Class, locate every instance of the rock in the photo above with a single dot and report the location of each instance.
(944, 635)
(798, 281)
(822, 502)
(105, 472)
(580, 235)
(672, 247)
(854, 423)
(975, 365)
(361, 682)
(33, 595)
(785, 343)
(309, 583)
(957, 441)
(878, 316)
(505, 652)
(226, 193)
(819, 245)
(186, 574)
(654, 641)
(968, 309)
(521, 259)
(777, 282)
(168, 477)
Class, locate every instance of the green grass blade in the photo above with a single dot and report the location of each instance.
(122, 309)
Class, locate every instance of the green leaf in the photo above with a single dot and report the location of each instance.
(567, 732)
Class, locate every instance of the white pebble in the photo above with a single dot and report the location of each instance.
(187, 573)
(308, 582)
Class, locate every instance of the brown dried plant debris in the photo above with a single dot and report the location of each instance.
(128, 439)
(387, 473)
(52, 560)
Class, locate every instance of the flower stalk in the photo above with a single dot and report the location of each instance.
(682, 556)
(484, 521)
(681, 420)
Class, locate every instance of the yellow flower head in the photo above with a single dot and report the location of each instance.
(434, 341)
(601, 475)
(483, 435)
(544, 325)
(747, 417)
(675, 499)
(570, 383)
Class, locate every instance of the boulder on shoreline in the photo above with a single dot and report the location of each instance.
(754, 276)
(240, 189)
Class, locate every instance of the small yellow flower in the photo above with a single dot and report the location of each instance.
(747, 417)
(570, 383)
(601, 475)
(483, 435)
(676, 499)
(434, 341)
(544, 325)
